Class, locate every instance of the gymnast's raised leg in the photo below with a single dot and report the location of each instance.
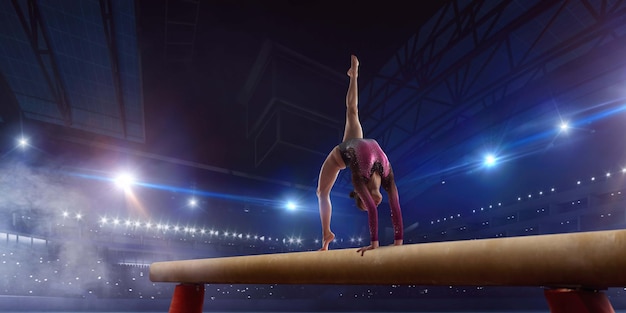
(334, 163)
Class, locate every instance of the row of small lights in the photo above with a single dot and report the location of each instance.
(193, 230)
(540, 193)
(202, 231)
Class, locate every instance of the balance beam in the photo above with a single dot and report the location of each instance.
(587, 259)
(584, 260)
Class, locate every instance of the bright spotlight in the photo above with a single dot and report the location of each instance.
(291, 206)
(22, 142)
(564, 126)
(193, 202)
(124, 180)
(490, 160)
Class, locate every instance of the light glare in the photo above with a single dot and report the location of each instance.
(490, 160)
(22, 142)
(124, 180)
(291, 206)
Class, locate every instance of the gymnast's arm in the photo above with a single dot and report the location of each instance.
(372, 215)
(390, 187)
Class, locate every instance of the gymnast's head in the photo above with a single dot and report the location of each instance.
(359, 202)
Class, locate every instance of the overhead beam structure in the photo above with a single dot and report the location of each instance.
(181, 24)
(37, 35)
(576, 261)
(106, 9)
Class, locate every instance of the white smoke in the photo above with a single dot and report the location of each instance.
(33, 201)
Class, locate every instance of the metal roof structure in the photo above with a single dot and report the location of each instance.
(74, 64)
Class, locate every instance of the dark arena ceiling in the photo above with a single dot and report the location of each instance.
(238, 102)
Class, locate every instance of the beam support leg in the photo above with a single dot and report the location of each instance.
(564, 300)
(188, 298)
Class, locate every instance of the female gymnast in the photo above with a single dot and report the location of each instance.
(370, 169)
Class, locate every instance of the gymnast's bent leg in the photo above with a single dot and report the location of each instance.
(328, 175)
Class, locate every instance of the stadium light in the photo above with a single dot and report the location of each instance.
(124, 180)
(193, 202)
(490, 160)
(22, 142)
(291, 206)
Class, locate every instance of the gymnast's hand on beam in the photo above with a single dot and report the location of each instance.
(372, 246)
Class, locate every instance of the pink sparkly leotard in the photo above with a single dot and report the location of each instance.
(364, 157)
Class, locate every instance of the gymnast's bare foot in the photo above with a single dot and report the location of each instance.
(354, 67)
(327, 239)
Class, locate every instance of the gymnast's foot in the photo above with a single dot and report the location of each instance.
(354, 67)
(327, 239)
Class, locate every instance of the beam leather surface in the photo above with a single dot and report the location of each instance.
(586, 259)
